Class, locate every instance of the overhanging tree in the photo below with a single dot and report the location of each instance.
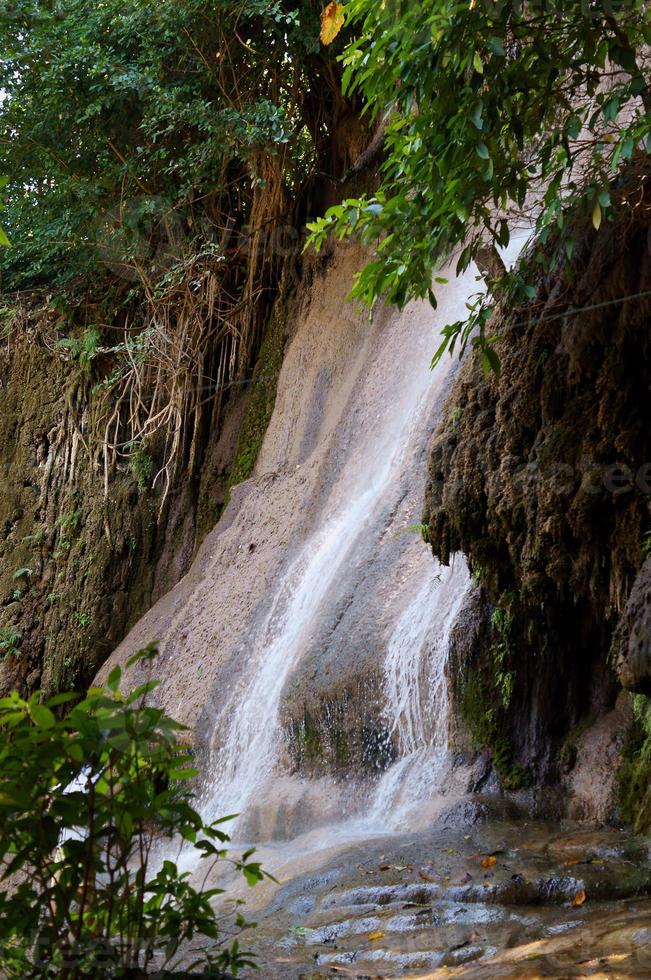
(493, 112)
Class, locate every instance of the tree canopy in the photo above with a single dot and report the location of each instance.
(117, 118)
(127, 129)
(497, 115)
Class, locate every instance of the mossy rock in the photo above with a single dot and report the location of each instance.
(635, 773)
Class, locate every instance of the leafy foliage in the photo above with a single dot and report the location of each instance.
(126, 129)
(497, 115)
(90, 803)
(635, 773)
(10, 639)
(157, 154)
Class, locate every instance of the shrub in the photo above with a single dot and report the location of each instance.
(91, 798)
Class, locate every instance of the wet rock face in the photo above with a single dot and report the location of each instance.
(632, 643)
(342, 734)
(542, 478)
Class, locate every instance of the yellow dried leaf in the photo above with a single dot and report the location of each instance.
(579, 898)
(489, 861)
(376, 935)
(596, 215)
(332, 20)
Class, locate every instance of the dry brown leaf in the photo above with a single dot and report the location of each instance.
(376, 935)
(332, 20)
(488, 862)
(579, 898)
(571, 861)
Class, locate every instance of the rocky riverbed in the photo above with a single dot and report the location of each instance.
(468, 898)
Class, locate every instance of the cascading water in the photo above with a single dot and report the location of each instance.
(311, 581)
(417, 695)
(247, 756)
(360, 506)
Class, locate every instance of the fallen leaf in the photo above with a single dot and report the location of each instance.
(489, 861)
(384, 867)
(571, 861)
(579, 898)
(332, 20)
(376, 935)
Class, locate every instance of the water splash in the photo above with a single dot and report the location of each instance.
(417, 696)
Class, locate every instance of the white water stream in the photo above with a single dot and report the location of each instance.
(248, 754)
(417, 696)
(311, 583)
(360, 506)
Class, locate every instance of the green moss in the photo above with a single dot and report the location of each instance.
(306, 741)
(141, 465)
(485, 692)
(263, 397)
(341, 749)
(312, 748)
(501, 651)
(635, 773)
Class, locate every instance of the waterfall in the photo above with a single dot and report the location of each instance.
(311, 582)
(417, 695)
(250, 717)
(347, 543)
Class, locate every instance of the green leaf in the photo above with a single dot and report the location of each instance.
(183, 773)
(114, 678)
(42, 716)
(253, 874)
(482, 151)
(3, 239)
(147, 653)
(490, 361)
(573, 127)
(477, 63)
(496, 45)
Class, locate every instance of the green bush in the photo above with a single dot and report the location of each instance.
(89, 797)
